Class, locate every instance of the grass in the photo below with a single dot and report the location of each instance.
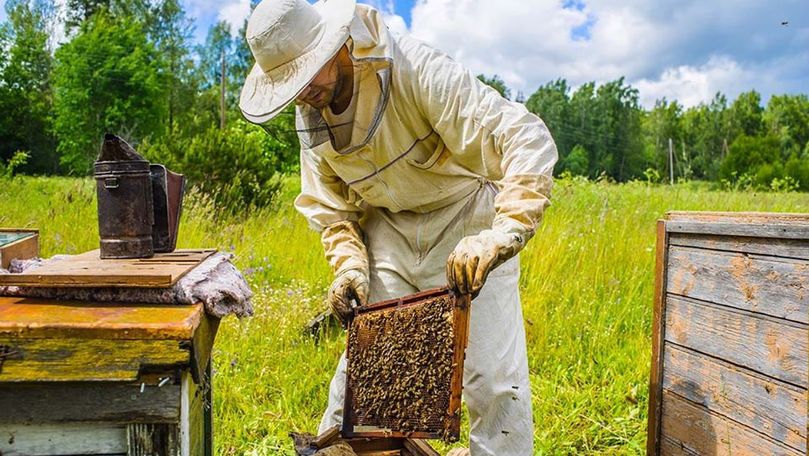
(586, 282)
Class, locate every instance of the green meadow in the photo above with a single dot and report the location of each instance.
(587, 281)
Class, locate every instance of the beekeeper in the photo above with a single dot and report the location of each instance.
(417, 175)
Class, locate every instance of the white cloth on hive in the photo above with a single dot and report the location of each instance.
(215, 282)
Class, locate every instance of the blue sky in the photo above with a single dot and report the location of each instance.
(678, 49)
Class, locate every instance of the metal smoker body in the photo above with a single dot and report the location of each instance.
(138, 204)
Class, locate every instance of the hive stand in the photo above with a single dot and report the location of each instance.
(730, 364)
(104, 379)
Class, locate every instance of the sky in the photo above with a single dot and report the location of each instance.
(677, 49)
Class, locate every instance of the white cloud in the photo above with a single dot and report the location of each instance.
(687, 49)
(234, 13)
(691, 85)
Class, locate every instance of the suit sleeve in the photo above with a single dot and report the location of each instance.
(511, 146)
(327, 203)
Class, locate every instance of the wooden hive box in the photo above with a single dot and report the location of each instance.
(17, 244)
(729, 364)
(104, 379)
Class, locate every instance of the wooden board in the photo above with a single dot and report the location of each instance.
(707, 433)
(89, 270)
(773, 286)
(773, 408)
(730, 357)
(63, 439)
(749, 224)
(23, 245)
(64, 360)
(116, 403)
(37, 318)
(772, 348)
(75, 341)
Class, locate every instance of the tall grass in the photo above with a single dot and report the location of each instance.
(587, 280)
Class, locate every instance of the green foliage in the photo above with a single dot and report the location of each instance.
(108, 78)
(759, 159)
(577, 162)
(17, 160)
(236, 167)
(25, 83)
(497, 84)
(605, 121)
(788, 118)
(747, 114)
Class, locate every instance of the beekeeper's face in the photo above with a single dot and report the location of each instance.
(324, 88)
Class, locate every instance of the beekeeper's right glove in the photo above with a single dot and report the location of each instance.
(348, 257)
(348, 289)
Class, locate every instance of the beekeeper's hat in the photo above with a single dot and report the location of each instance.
(291, 41)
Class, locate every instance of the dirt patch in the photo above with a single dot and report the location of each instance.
(400, 366)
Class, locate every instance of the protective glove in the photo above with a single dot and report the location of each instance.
(350, 285)
(476, 256)
(348, 257)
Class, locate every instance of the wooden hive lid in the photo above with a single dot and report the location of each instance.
(746, 224)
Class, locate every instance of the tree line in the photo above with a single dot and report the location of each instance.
(131, 68)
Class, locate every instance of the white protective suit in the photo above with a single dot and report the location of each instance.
(435, 155)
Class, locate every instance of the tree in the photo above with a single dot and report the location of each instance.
(497, 84)
(758, 156)
(661, 124)
(746, 114)
(25, 84)
(787, 117)
(576, 162)
(170, 31)
(107, 79)
(707, 131)
(551, 102)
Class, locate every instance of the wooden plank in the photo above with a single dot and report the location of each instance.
(419, 448)
(773, 286)
(89, 270)
(752, 224)
(361, 445)
(192, 422)
(736, 229)
(153, 439)
(785, 248)
(775, 409)
(35, 318)
(658, 338)
(705, 432)
(669, 447)
(62, 439)
(771, 347)
(787, 218)
(117, 403)
(21, 249)
(56, 360)
(201, 346)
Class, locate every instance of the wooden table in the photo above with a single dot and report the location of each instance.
(109, 379)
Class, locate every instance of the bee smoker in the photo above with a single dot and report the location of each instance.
(139, 203)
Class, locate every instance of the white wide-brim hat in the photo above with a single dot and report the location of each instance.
(291, 41)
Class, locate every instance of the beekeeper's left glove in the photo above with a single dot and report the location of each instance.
(476, 256)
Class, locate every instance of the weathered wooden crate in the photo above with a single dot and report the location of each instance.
(104, 379)
(17, 244)
(730, 367)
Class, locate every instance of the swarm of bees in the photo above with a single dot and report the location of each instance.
(400, 366)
